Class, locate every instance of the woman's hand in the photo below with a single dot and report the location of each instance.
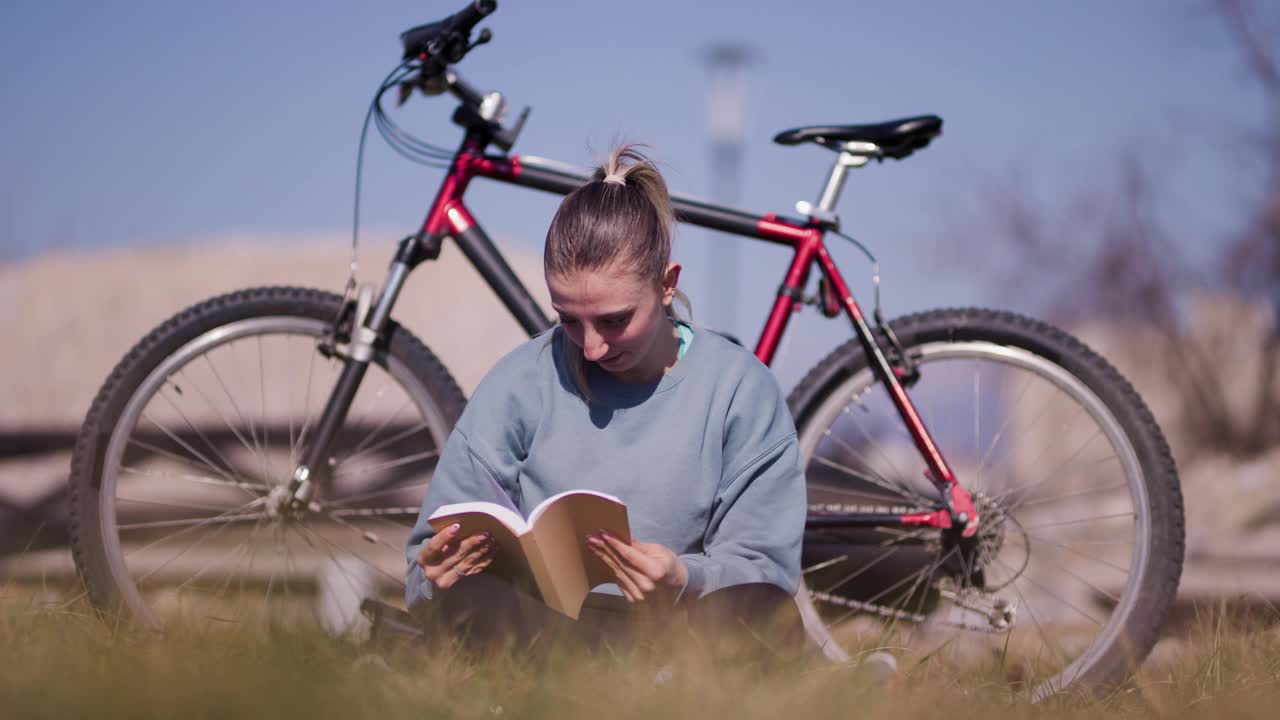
(642, 570)
(444, 560)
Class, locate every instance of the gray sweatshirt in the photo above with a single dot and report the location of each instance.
(705, 458)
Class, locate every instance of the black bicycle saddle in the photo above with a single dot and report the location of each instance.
(896, 138)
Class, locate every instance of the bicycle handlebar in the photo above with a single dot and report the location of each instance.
(446, 41)
(439, 45)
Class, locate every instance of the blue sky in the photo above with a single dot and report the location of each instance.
(164, 122)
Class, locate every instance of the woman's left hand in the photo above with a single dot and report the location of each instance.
(642, 570)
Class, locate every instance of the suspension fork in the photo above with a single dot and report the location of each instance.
(365, 334)
(446, 215)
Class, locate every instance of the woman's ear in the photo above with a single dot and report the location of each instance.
(669, 281)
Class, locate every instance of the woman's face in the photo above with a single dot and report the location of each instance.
(618, 319)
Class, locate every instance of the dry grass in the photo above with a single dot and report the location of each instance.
(64, 662)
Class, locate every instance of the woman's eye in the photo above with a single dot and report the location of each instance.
(568, 321)
(615, 322)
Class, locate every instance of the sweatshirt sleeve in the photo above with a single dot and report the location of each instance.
(757, 518)
(481, 459)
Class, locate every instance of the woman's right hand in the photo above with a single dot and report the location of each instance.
(444, 560)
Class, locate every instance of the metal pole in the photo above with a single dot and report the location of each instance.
(728, 64)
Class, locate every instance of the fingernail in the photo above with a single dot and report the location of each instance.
(455, 527)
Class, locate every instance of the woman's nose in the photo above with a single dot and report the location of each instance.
(593, 345)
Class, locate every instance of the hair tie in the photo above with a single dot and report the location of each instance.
(615, 178)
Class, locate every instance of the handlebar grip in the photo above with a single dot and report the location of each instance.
(474, 12)
(419, 40)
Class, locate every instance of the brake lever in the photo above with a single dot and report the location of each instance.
(437, 83)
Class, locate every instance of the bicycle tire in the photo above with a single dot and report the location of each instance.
(189, 458)
(848, 450)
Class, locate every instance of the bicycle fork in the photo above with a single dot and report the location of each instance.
(367, 325)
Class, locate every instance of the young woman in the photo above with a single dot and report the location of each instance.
(690, 430)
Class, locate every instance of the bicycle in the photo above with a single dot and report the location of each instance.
(188, 503)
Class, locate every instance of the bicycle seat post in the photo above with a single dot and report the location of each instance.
(854, 154)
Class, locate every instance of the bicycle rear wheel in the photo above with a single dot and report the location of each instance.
(170, 516)
(1081, 541)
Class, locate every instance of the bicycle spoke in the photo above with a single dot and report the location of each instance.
(385, 441)
(365, 534)
(253, 431)
(1058, 596)
(878, 447)
(234, 550)
(188, 529)
(347, 501)
(883, 484)
(212, 466)
(1063, 567)
(288, 401)
(212, 406)
(188, 521)
(379, 513)
(977, 415)
(357, 587)
(841, 582)
(1009, 416)
(196, 431)
(166, 563)
(1078, 493)
(1054, 473)
(1064, 523)
(173, 504)
(406, 460)
(234, 571)
(296, 449)
(397, 580)
(262, 399)
(251, 488)
(359, 448)
(1052, 476)
(1048, 639)
(1073, 551)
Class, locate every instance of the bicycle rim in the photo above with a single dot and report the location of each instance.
(1059, 487)
(186, 523)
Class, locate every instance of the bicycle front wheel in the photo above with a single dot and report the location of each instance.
(1080, 545)
(171, 517)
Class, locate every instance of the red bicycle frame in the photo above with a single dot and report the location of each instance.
(449, 217)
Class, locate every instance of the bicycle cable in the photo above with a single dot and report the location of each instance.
(875, 271)
(404, 144)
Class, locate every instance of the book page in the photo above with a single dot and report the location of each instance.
(560, 530)
(508, 516)
(505, 526)
(542, 506)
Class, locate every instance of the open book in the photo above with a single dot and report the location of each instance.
(548, 551)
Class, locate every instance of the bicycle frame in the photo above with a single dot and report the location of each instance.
(449, 217)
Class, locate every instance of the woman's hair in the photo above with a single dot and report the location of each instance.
(623, 214)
